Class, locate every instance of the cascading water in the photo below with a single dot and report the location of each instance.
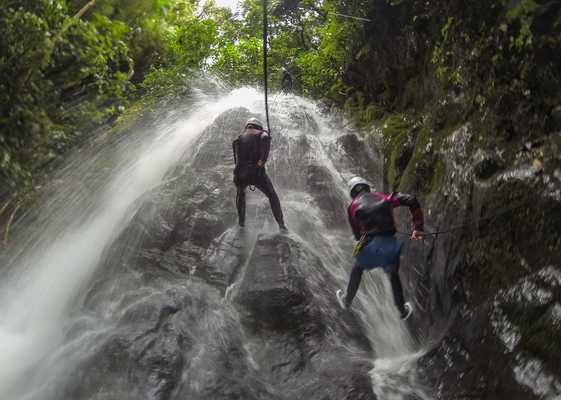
(132, 288)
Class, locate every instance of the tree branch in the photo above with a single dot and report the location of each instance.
(7, 231)
(85, 9)
(5, 206)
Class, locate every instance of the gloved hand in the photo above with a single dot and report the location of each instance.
(417, 235)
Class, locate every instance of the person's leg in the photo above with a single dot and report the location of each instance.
(354, 283)
(240, 204)
(397, 288)
(264, 184)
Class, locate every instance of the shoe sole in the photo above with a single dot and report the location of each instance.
(409, 312)
(339, 294)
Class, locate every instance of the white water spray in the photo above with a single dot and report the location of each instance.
(48, 278)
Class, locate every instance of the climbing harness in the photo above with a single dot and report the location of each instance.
(360, 244)
(265, 69)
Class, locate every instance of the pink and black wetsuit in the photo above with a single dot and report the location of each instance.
(371, 215)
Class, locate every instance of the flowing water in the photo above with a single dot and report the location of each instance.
(46, 290)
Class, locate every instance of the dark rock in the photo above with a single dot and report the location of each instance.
(500, 300)
(487, 165)
(228, 254)
(273, 288)
(322, 187)
(556, 119)
(148, 347)
(353, 154)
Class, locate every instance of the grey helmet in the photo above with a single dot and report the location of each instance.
(254, 123)
(356, 184)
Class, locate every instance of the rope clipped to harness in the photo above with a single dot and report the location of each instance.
(359, 245)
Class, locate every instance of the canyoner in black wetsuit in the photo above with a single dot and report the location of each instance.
(371, 219)
(286, 82)
(251, 150)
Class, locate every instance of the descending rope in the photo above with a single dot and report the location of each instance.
(353, 17)
(265, 71)
(463, 226)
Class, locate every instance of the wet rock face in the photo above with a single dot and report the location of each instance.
(359, 159)
(273, 292)
(188, 306)
(149, 344)
(497, 282)
(287, 311)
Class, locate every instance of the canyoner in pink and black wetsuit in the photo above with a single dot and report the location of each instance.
(372, 222)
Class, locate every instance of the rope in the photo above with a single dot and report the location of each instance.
(353, 17)
(463, 226)
(265, 69)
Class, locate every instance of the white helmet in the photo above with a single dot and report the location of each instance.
(355, 184)
(254, 123)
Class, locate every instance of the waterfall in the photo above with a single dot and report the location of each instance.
(101, 193)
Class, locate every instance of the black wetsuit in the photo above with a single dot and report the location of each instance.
(250, 148)
(286, 83)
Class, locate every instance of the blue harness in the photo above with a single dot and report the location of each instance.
(382, 251)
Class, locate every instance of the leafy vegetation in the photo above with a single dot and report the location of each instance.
(67, 66)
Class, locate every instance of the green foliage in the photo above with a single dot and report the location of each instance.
(441, 55)
(398, 141)
(322, 69)
(190, 43)
(238, 54)
(240, 63)
(55, 72)
(523, 15)
(61, 74)
(495, 64)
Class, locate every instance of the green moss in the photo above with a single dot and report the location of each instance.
(394, 125)
(413, 146)
(438, 176)
(425, 169)
(398, 159)
(398, 134)
(410, 94)
(419, 170)
(370, 114)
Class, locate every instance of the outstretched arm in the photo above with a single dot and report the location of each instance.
(404, 199)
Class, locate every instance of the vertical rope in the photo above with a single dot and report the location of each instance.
(265, 69)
